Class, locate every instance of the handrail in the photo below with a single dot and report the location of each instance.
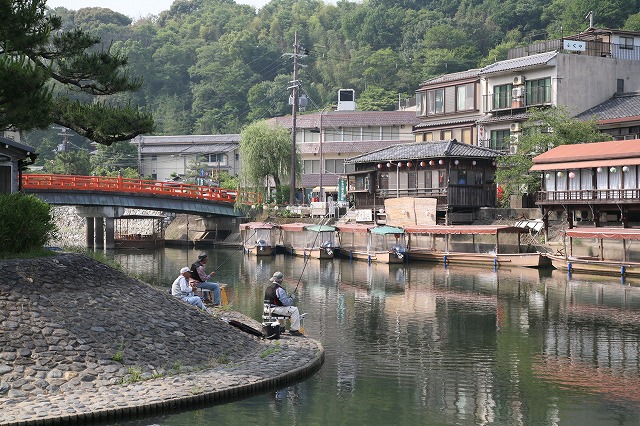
(135, 186)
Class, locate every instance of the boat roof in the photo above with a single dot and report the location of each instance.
(354, 227)
(605, 233)
(464, 229)
(382, 230)
(320, 228)
(296, 226)
(258, 225)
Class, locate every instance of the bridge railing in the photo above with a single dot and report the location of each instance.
(143, 186)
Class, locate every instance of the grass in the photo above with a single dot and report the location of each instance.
(119, 355)
(272, 350)
(134, 374)
(31, 254)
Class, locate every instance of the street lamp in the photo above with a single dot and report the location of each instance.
(321, 139)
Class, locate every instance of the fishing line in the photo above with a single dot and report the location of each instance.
(306, 260)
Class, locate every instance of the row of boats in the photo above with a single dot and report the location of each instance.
(494, 245)
(497, 245)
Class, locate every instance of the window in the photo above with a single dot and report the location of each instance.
(500, 140)
(349, 168)
(538, 91)
(465, 97)
(626, 42)
(435, 101)
(214, 158)
(467, 136)
(620, 85)
(362, 183)
(420, 104)
(331, 134)
(371, 133)
(502, 96)
(334, 166)
(311, 166)
(390, 133)
(351, 134)
(383, 180)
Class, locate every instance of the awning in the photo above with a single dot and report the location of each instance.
(383, 230)
(571, 165)
(258, 225)
(326, 189)
(320, 228)
(463, 229)
(354, 228)
(605, 233)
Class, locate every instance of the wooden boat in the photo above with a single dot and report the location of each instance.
(306, 239)
(470, 245)
(139, 231)
(260, 237)
(618, 261)
(383, 244)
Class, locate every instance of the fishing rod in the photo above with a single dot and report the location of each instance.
(306, 260)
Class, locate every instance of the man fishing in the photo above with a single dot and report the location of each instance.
(200, 278)
(282, 303)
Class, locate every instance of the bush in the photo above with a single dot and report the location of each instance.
(26, 223)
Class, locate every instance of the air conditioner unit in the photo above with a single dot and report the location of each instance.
(514, 139)
(517, 92)
(518, 80)
(514, 127)
(513, 149)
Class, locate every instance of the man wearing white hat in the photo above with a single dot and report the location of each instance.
(181, 288)
(282, 303)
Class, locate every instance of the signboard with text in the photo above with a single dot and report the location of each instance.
(574, 45)
(342, 189)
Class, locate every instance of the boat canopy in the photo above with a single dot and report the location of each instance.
(358, 228)
(258, 225)
(382, 230)
(320, 228)
(464, 229)
(605, 233)
(294, 227)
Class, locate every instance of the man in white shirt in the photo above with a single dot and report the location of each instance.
(181, 288)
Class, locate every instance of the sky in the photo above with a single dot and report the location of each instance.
(133, 8)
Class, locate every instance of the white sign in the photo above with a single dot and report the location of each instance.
(364, 215)
(580, 46)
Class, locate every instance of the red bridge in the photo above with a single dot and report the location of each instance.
(48, 182)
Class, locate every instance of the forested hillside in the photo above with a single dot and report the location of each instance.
(213, 66)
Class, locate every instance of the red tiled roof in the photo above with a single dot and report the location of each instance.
(590, 151)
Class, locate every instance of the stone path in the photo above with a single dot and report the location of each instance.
(82, 342)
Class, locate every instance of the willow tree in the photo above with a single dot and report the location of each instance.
(48, 76)
(265, 151)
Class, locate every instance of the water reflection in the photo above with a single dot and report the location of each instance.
(416, 344)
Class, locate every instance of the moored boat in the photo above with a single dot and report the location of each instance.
(321, 241)
(495, 245)
(260, 237)
(619, 260)
(383, 244)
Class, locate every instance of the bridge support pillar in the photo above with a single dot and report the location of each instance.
(96, 225)
(89, 232)
(99, 224)
(109, 229)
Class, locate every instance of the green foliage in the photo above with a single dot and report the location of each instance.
(26, 223)
(118, 158)
(71, 162)
(544, 130)
(57, 75)
(377, 99)
(266, 151)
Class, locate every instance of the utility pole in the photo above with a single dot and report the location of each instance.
(294, 109)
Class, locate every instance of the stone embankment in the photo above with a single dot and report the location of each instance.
(81, 342)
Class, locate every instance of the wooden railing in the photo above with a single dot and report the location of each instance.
(134, 186)
(590, 196)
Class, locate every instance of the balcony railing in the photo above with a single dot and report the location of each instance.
(534, 97)
(593, 48)
(583, 196)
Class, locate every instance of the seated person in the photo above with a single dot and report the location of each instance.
(199, 278)
(277, 296)
(181, 288)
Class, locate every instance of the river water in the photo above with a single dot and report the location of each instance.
(423, 344)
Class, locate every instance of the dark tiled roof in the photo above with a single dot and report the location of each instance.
(620, 106)
(348, 148)
(350, 119)
(187, 139)
(204, 148)
(452, 77)
(431, 149)
(10, 143)
(523, 116)
(452, 121)
(524, 62)
(312, 180)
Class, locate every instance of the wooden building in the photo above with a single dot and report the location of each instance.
(459, 176)
(594, 182)
(14, 157)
